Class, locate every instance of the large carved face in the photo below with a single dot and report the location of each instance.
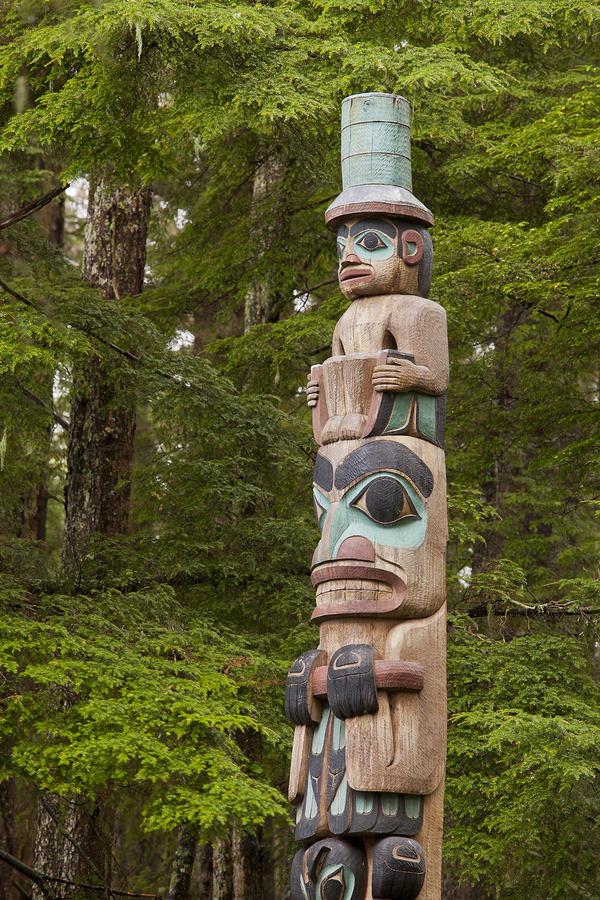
(381, 507)
(382, 256)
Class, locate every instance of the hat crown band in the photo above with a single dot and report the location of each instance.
(376, 140)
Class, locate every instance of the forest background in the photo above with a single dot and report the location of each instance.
(155, 446)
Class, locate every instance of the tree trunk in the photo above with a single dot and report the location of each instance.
(202, 875)
(222, 881)
(267, 190)
(7, 835)
(181, 873)
(97, 492)
(102, 419)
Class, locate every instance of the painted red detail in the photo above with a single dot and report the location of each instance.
(356, 548)
(340, 571)
(389, 676)
(412, 237)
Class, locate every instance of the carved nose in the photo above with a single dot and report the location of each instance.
(356, 548)
(349, 259)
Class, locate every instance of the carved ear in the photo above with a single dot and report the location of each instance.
(412, 247)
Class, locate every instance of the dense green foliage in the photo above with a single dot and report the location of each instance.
(169, 643)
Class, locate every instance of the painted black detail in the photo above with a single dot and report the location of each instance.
(351, 689)
(384, 455)
(386, 501)
(379, 224)
(342, 231)
(398, 868)
(323, 476)
(363, 822)
(338, 821)
(344, 855)
(440, 419)
(306, 824)
(392, 817)
(296, 688)
(297, 879)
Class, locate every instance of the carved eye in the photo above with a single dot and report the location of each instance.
(386, 502)
(370, 241)
(341, 246)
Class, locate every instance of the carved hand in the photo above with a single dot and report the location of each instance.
(351, 689)
(312, 392)
(300, 705)
(402, 375)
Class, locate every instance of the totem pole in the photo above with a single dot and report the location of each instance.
(369, 706)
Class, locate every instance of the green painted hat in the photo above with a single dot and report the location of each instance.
(376, 164)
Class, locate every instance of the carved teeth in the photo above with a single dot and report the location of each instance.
(348, 591)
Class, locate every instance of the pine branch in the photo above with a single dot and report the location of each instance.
(32, 207)
(56, 416)
(553, 610)
(41, 880)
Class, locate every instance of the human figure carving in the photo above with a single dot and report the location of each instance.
(369, 704)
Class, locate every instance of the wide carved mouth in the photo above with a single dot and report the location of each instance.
(355, 273)
(355, 589)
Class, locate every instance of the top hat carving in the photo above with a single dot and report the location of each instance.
(376, 161)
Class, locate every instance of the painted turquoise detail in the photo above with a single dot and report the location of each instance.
(318, 740)
(364, 802)
(426, 414)
(348, 521)
(385, 250)
(338, 804)
(347, 875)
(311, 807)
(323, 502)
(303, 888)
(376, 140)
(389, 804)
(378, 253)
(412, 805)
(400, 413)
(339, 733)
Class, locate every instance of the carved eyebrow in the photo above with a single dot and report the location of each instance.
(379, 224)
(384, 455)
(323, 473)
(343, 231)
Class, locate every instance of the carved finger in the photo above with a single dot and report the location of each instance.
(351, 689)
(300, 707)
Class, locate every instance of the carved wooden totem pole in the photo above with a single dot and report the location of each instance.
(369, 706)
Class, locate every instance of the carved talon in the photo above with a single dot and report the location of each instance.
(351, 688)
(300, 706)
(398, 868)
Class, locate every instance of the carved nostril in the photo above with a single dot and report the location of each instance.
(350, 259)
(356, 548)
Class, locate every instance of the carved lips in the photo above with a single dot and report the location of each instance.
(355, 273)
(366, 589)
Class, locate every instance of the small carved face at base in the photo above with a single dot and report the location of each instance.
(383, 256)
(381, 508)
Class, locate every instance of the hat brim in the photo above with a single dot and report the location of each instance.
(386, 199)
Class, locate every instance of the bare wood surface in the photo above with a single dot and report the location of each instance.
(411, 324)
(415, 762)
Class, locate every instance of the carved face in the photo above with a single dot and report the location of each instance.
(381, 507)
(378, 257)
